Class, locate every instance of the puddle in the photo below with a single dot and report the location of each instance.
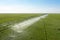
(25, 24)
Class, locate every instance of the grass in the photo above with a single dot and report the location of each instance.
(10, 19)
(52, 23)
(45, 29)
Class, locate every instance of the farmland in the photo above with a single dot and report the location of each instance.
(45, 29)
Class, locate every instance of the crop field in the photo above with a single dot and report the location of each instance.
(44, 29)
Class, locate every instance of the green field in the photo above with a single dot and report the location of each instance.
(45, 29)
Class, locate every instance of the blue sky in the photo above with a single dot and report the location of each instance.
(29, 6)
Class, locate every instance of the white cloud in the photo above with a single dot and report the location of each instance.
(17, 9)
(27, 9)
